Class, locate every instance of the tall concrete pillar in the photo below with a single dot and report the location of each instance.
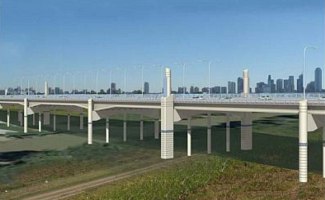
(227, 133)
(124, 128)
(246, 83)
(8, 117)
(323, 152)
(20, 118)
(189, 137)
(246, 135)
(303, 142)
(209, 133)
(90, 121)
(39, 122)
(68, 122)
(107, 130)
(54, 122)
(25, 115)
(167, 120)
(34, 120)
(81, 121)
(141, 128)
(156, 129)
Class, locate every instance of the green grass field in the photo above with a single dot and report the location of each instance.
(49, 160)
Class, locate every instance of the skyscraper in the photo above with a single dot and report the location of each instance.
(300, 84)
(146, 88)
(231, 87)
(113, 88)
(279, 85)
(318, 80)
(240, 86)
(291, 83)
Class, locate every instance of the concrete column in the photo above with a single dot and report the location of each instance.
(189, 137)
(8, 118)
(141, 128)
(20, 118)
(46, 88)
(39, 122)
(167, 127)
(323, 152)
(68, 122)
(156, 129)
(124, 128)
(54, 122)
(25, 115)
(81, 121)
(246, 135)
(227, 133)
(107, 130)
(303, 142)
(209, 133)
(34, 121)
(90, 121)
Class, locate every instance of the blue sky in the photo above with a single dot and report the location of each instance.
(45, 39)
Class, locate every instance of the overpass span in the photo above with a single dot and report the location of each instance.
(170, 108)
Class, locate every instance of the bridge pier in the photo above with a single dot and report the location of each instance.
(68, 122)
(54, 121)
(34, 120)
(303, 142)
(81, 121)
(124, 128)
(189, 137)
(8, 117)
(39, 122)
(227, 133)
(107, 130)
(141, 128)
(156, 129)
(246, 132)
(209, 133)
(20, 118)
(90, 121)
(25, 115)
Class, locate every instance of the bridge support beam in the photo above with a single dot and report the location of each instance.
(39, 122)
(54, 121)
(25, 115)
(156, 129)
(209, 133)
(34, 120)
(167, 127)
(189, 137)
(124, 128)
(246, 135)
(8, 117)
(141, 128)
(107, 130)
(68, 122)
(227, 133)
(90, 121)
(303, 142)
(81, 121)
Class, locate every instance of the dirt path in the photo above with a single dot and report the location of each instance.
(77, 189)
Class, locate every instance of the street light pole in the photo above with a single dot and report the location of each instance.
(305, 50)
(210, 78)
(142, 80)
(184, 80)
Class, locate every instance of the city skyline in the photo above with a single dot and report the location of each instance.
(40, 41)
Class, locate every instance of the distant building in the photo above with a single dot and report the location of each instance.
(216, 90)
(318, 80)
(310, 87)
(224, 90)
(291, 84)
(240, 86)
(300, 84)
(279, 85)
(113, 88)
(205, 90)
(231, 87)
(286, 86)
(146, 88)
